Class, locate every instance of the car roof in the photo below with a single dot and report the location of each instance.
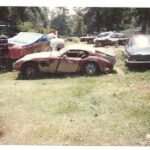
(118, 33)
(104, 33)
(141, 35)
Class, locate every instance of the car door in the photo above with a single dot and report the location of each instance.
(69, 63)
(49, 65)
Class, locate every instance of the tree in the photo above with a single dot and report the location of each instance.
(79, 28)
(101, 19)
(59, 20)
(34, 17)
(143, 19)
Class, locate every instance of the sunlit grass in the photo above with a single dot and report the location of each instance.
(111, 109)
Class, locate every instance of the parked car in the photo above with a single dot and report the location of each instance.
(83, 38)
(118, 38)
(24, 43)
(89, 39)
(103, 39)
(110, 38)
(68, 60)
(137, 51)
(7, 30)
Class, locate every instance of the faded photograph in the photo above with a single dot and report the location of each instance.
(77, 76)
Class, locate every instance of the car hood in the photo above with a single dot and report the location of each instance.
(40, 55)
(140, 51)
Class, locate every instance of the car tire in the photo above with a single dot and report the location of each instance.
(91, 69)
(99, 44)
(90, 42)
(30, 71)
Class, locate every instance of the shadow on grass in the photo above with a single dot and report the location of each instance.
(49, 76)
(60, 76)
(2, 71)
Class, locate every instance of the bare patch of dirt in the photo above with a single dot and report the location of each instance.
(143, 89)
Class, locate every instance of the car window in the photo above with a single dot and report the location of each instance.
(76, 53)
(121, 36)
(114, 36)
(118, 36)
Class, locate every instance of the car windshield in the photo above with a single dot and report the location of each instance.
(141, 41)
(104, 34)
(116, 35)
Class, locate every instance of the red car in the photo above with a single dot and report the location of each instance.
(20, 45)
(67, 60)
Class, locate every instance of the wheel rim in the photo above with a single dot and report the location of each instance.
(30, 72)
(90, 69)
(99, 43)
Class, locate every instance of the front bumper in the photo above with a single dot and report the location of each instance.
(136, 62)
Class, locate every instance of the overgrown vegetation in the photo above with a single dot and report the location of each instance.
(25, 18)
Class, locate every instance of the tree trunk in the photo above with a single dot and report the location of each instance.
(145, 22)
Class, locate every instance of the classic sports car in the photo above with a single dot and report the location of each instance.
(67, 60)
(137, 51)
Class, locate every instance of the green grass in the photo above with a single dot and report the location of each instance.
(111, 109)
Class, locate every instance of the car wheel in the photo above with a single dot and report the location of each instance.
(99, 44)
(91, 69)
(90, 42)
(30, 71)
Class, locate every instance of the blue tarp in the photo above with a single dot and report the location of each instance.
(26, 38)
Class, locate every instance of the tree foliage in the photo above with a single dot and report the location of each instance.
(59, 19)
(143, 19)
(25, 18)
(101, 19)
(86, 20)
